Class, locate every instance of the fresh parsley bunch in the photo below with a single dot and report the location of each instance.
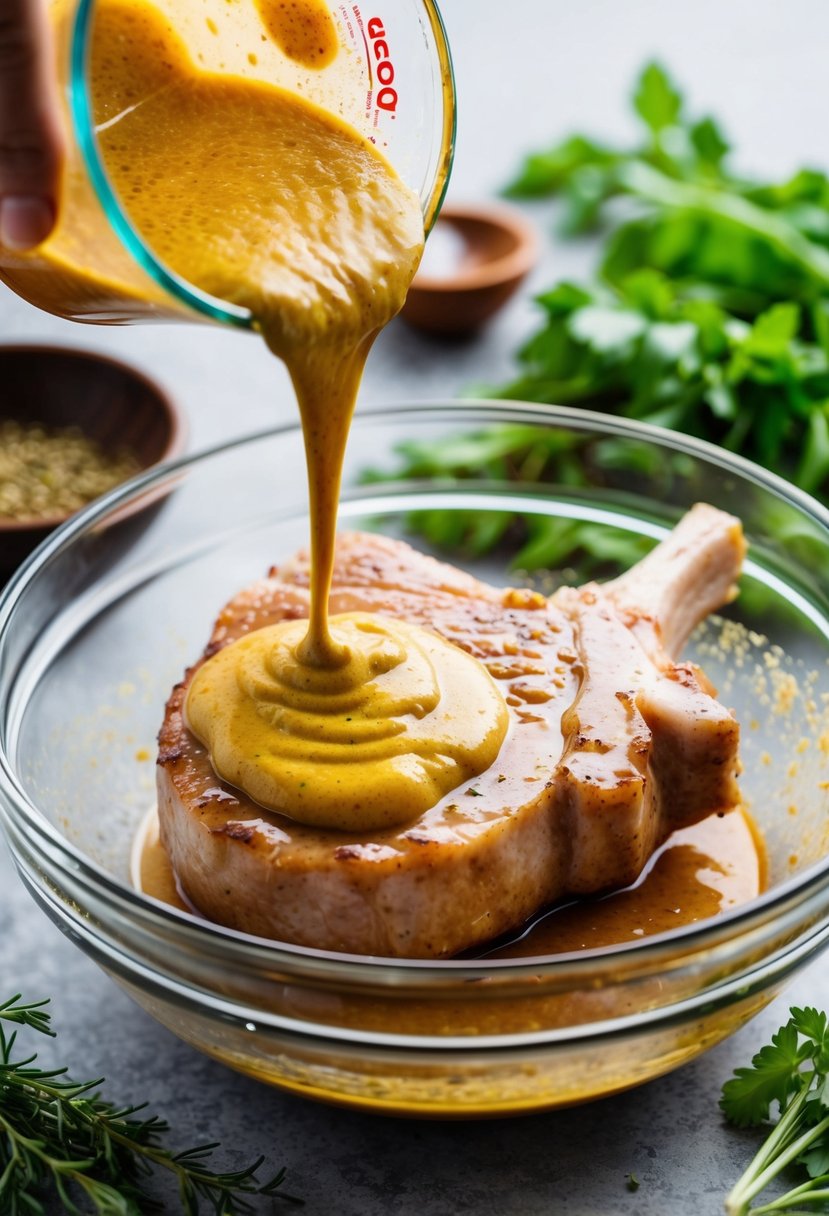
(649, 350)
(526, 455)
(684, 212)
(709, 315)
(791, 1077)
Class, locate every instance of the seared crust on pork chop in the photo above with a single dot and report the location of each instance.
(611, 747)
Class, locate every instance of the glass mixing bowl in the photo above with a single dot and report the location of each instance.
(100, 623)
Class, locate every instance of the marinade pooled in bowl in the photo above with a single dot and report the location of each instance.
(95, 636)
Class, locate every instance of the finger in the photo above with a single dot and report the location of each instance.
(30, 137)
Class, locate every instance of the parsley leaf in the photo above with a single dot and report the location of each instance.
(711, 310)
(709, 143)
(772, 1077)
(709, 314)
(790, 1072)
(656, 100)
(811, 1024)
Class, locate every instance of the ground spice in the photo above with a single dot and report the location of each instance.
(47, 471)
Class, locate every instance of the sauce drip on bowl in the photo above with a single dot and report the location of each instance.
(267, 201)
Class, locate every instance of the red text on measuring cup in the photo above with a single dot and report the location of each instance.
(386, 97)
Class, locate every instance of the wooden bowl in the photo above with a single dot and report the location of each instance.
(109, 401)
(495, 248)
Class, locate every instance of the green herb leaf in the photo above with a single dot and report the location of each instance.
(816, 1160)
(792, 1072)
(711, 316)
(656, 100)
(61, 1140)
(773, 331)
(773, 1075)
(811, 1023)
(709, 142)
(547, 172)
(607, 330)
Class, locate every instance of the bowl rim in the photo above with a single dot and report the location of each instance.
(681, 943)
(177, 422)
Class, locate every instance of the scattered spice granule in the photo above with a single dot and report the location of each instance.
(785, 692)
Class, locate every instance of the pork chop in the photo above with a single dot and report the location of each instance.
(612, 745)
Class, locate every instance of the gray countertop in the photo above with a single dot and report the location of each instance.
(527, 72)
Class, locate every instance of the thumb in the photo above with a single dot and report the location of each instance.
(30, 140)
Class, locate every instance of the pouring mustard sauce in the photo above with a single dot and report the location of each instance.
(355, 722)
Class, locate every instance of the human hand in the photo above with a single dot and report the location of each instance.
(30, 133)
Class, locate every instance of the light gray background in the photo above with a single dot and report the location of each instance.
(528, 71)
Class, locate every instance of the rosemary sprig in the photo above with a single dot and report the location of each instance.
(61, 1139)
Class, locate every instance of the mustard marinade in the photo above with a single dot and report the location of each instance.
(359, 721)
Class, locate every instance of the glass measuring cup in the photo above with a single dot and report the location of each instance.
(391, 80)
